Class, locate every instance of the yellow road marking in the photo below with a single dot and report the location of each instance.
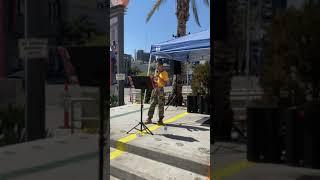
(120, 148)
(232, 169)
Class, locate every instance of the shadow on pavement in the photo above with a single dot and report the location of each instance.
(307, 177)
(189, 128)
(181, 138)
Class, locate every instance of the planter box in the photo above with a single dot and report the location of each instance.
(294, 136)
(302, 135)
(263, 143)
(192, 104)
(311, 135)
(203, 103)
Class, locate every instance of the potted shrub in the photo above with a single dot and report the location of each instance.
(292, 67)
(113, 101)
(199, 85)
(297, 49)
(11, 125)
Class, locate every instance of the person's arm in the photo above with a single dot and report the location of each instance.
(164, 77)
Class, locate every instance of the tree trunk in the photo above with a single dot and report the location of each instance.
(182, 14)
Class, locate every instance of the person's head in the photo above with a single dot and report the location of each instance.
(160, 65)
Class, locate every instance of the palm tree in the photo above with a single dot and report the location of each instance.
(182, 14)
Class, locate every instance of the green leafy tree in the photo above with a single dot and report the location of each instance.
(134, 70)
(11, 125)
(200, 79)
(292, 61)
(77, 31)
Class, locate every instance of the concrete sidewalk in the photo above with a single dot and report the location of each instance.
(179, 150)
(59, 158)
(231, 164)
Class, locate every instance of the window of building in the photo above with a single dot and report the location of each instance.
(20, 7)
(100, 4)
(54, 11)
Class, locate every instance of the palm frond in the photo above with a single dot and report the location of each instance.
(195, 12)
(154, 8)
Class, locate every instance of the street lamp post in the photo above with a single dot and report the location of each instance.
(248, 48)
(26, 68)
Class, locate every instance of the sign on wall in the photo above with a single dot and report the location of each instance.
(120, 77)
(33, 48)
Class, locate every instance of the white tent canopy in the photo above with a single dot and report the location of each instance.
(191, 47)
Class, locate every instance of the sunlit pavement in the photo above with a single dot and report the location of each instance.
(179, 150)
(182, 150)
(230, 164)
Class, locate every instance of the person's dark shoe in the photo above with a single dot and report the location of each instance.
(160, 122)
(148, 121)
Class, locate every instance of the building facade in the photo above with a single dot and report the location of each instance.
(45, 20)
(127, 63)
(42, 23)
(142, 56)
(117, 12)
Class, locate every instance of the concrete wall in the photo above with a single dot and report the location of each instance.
(11, 92)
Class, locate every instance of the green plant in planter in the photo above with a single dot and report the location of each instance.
(291, 55)
(200, 79)
(11, 125)
(113, 101)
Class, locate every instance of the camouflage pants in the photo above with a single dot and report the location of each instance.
(157, 97)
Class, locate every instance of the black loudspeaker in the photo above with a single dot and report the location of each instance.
(192, 104)
(311, 136)
(263, 143)
(219, 19)
(176, 67)
(201, 104)
(294, 122)
(35, 104)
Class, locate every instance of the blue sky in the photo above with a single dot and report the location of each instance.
(140, 35)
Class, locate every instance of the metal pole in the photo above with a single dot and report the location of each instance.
(187, 63)
(102, 132)
(248, 39)
(248, 48)
(145, 91)
(26, 67)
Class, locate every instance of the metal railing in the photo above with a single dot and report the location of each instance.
(73, 101)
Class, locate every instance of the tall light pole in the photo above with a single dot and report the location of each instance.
(248, 49)
(248, 39)
(26, 69)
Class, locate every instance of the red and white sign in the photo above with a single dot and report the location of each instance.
(119, 2)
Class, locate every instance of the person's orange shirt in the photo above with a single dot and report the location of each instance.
(162, 79)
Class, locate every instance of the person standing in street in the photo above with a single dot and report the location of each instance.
(157, 96)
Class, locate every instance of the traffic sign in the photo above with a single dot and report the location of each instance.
(120, 77)
(33, 48)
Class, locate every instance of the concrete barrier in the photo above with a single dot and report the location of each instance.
(11, 92)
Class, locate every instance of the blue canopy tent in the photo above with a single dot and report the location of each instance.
(192, 47)
(181, 49)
